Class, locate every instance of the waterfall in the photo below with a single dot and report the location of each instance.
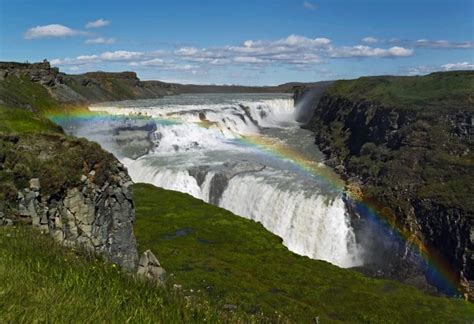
(197, 149)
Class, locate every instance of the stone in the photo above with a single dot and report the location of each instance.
(83, 178)
(35, 184)
(229, 307)
(149, 267)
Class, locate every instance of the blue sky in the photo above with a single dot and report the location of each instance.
(241, 42)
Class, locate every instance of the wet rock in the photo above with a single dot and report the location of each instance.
(149, 267)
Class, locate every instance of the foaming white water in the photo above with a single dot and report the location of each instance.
(171, 179)
(170, 139)
(272, 113)
(308, 223)
(198, 139)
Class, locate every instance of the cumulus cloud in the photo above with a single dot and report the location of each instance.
(458, 66)
(120, 56)
(310, 5)
(152, 62)
(97, 23)
(370, 40)
(53, 30)
(100, 40)
(295, 51)
(367, 51)
(443, 44)
(117, 56)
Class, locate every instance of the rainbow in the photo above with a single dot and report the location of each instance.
(383, 217)
(439, 270)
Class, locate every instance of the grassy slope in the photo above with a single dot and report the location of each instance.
(446, 90)
(24, 122)
(21, 92)
(41, 281)
(236, 261)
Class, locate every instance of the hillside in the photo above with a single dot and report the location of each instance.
(229, 260)
(407, 143)
(44, 282)
(38, 86)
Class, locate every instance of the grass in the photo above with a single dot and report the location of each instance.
(447, 90)
(40, 281)
(21, 92)
(18, 121)
(231, 260)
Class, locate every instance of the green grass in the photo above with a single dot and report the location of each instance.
(42, 282)
(21, 92)
(231, 260)
(18, 121)
(447, 90)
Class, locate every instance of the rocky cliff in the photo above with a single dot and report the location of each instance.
(406, 144)
(70, 189)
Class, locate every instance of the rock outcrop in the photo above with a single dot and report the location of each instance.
(98, 218)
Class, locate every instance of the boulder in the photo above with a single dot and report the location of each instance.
(149, 267)
(35, 184)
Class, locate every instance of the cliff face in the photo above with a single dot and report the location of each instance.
(412, 156)
(98, 218)
(70, 189)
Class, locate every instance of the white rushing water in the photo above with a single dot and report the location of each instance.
(201, 147)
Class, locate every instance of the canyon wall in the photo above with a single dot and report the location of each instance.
(407, 145)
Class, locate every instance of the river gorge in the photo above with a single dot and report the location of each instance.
(243, 152)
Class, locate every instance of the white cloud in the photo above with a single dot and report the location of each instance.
(458, 66)
(97, 23)
(187, 51)
(296, 40)
(248, 59)
(100, 40)
(370, 40)
(120, 56)
(443, 44)
(53, 30)
(367, 51)
(310, 5)
(117, 56)
(294, 51)
(87, 57)
(152, 62)
(426, 69)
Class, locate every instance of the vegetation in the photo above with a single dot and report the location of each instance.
(442, 90)
(21, 92)
(426, 150)
(233, 261)
(31, 146)
(18, 121)
(40, 281)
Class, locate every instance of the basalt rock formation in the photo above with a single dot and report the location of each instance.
(78, 193)
(98, 218)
